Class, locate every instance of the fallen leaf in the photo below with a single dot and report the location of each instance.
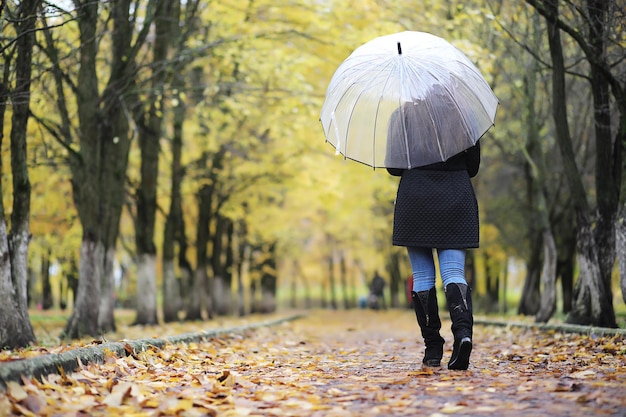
(16, 391)
(118, 394)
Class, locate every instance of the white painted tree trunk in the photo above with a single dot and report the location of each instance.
(84, 319)
(268, 302)
(15, 327)
(197, 296)
(222, 297)
(171, 292)
(7, 293)
(19, 264)
(106, 317)
(146, 290)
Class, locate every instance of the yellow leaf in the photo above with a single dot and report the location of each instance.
(226, 379)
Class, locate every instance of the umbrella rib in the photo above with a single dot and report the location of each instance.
(352, 112)
(334, 123)
(401, 107)
(376, 119)
(482, 103)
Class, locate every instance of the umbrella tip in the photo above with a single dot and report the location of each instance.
(399, 49)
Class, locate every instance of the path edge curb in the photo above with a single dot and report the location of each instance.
(71, 360)
(560, 327)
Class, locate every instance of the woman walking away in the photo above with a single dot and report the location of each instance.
(436, 211)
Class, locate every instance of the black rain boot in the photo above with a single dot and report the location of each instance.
(459, 298)
(427, 313)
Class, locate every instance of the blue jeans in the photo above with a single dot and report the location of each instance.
(451, 267)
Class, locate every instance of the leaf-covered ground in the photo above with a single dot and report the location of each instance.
(355, 363)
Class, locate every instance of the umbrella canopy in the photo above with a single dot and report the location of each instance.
(405, 100)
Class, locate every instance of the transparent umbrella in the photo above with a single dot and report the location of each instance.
(406, 100)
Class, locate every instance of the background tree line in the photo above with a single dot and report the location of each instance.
(178, 142)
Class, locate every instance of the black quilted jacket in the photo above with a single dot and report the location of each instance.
(436, 206)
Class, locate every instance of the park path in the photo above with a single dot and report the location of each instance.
(344, 363)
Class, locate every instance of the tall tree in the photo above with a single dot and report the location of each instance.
(536, 178)
(98, 152)
(15, 327)
(174, 230)
(199, 281)
(148, 113)
(593, 299)
(174, 224)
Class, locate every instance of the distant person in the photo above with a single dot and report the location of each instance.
(436, 210)
(377, 292)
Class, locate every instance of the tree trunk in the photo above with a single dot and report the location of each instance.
(538, 171)
(590, 306)
(565, 237)
(84, 318)
(71, 277)
(146, 305)
(63, 293)
(608, 154)
(106, 318)
(197, 297)
(46, 291)
(99, 170)
(548, 278)
(537, 200)
(31, 284)
(221, 261)
(529, 302)
(229, 261)
(174, 223)
(220, 292)
(149, 122)
(269, 280)
(15, 327)
(171, 292)
(621, 249)
(114, 171)
(254, 301)
(344, 280)
(243, 254)
(505, 287)
(592, 297)
(395, 276)
(174, 227)
(331, 280)
(492, 281)
(565, 271)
